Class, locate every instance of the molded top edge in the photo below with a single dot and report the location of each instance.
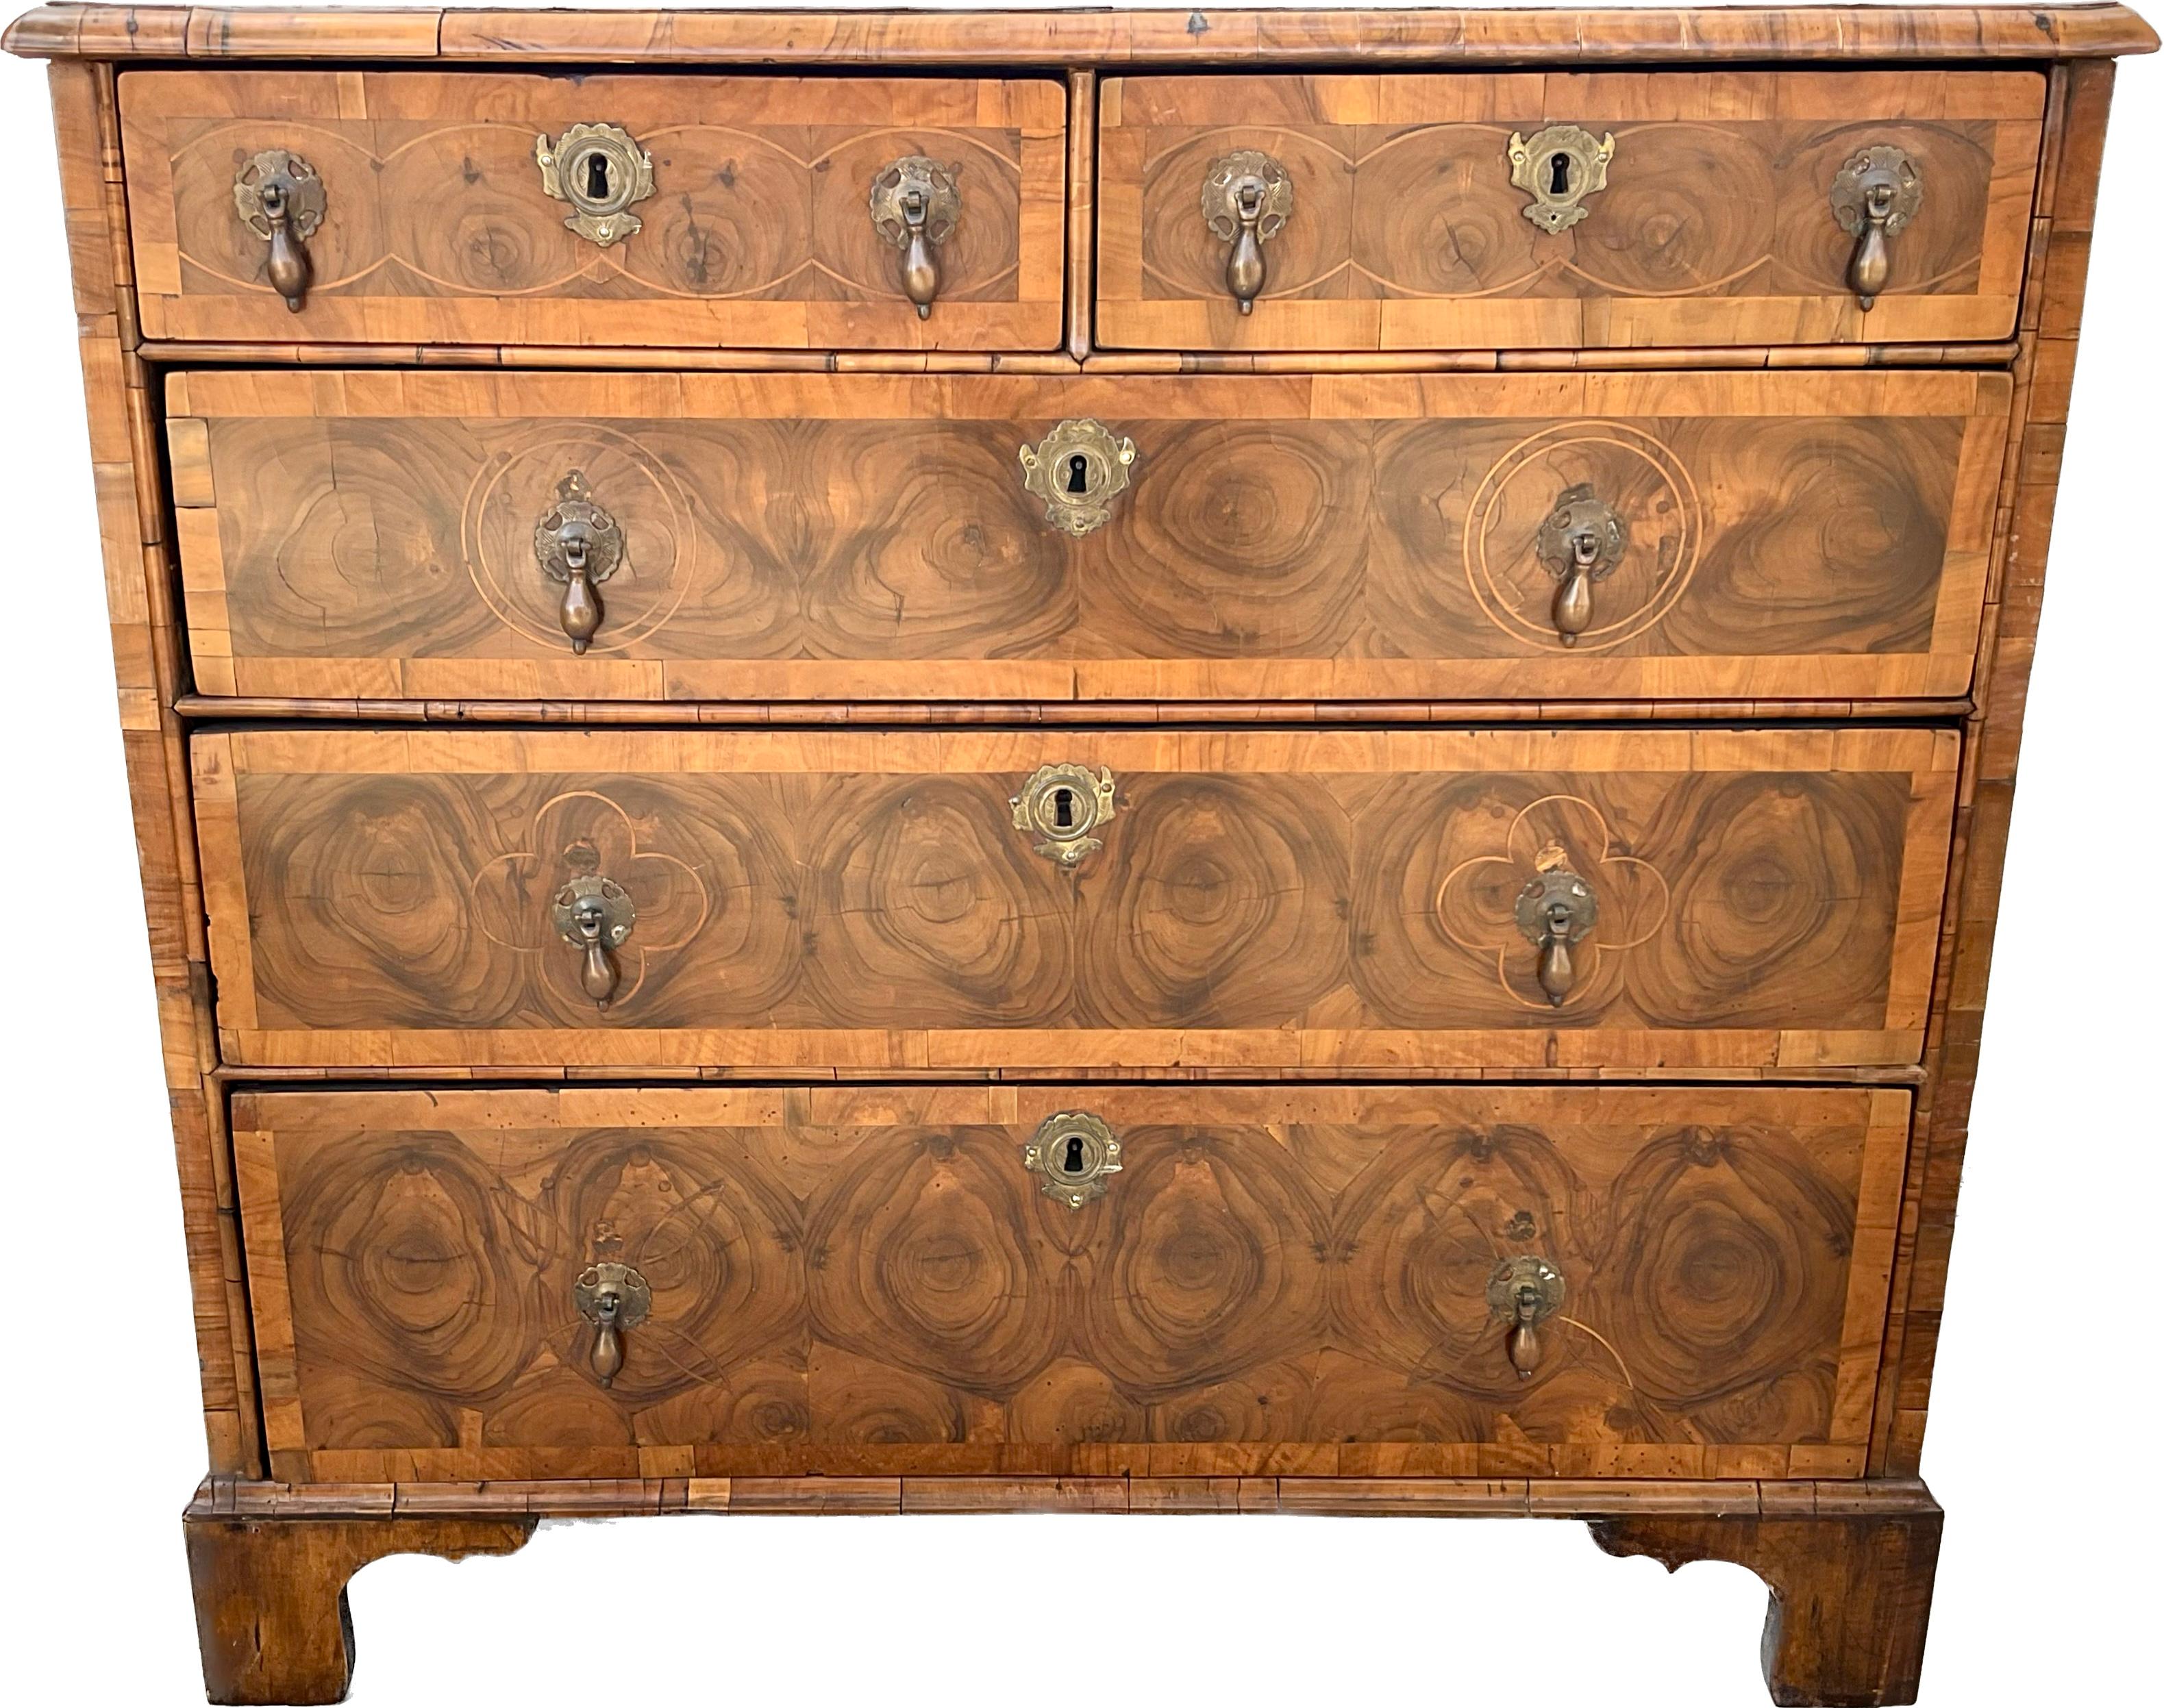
(1435, 39)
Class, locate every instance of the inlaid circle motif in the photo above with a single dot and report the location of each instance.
(516, 487)
(1630, 470)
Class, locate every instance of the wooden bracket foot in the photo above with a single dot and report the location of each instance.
(1851, 1589)
(270, 1605)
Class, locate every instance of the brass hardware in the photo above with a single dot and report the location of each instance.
(601, 171)
(916, 207)
(1525, 1292)
(1559, 168)
(1246, 201)
(578, 543)
(1060, 806)
(1874, 195)
(1581, 542)
(1555, 911)
(594, 915)
(1078, 469)
(1071, 1153)
(281, 200)
(613, 1297)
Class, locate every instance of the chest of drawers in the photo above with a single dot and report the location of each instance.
(1150, 762)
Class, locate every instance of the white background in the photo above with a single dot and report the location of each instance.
(2044, 1416)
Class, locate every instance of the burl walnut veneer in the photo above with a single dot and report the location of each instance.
(1209, 762)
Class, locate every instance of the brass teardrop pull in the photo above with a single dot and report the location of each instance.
(1581, 542)
(1555, 911)
(915, 206)
(595, 914)
(614, 1297)
(1246, 199)
(1524, 1293)
(580, 544)
(1874, 195)
(280, 199)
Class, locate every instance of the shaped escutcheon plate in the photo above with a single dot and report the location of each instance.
(1078, 469)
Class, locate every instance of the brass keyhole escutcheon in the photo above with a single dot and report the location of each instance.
(1559, 168)
(594, 915)
(1556, 912)
(614, 1297)
(1060, 806)
(601, 171)
(1078, 469)
(1246, 199)
(1525, 1292)
(1874, 196)
(915, 206)
(1071, 1153)
(1581, 542)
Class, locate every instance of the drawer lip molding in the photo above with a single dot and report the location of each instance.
(350, 534)
(740, 210)
(1423, 36)
(1412, 232)
(1351, 1310)
(1380, 863)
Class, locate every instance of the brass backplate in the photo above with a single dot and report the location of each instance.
(1078, 469)
(601, 171)
(1514, 1276)
(592, 900)
(1559, 168)
(634, 1298)
(1881, 164)
(1060, 805)
(305, 199)
(917, 175)
(1254, 172)
(575, 516)
(1071, 1153)
(1556, 887)
(1576, 511)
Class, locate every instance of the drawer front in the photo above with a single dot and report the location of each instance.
(1805, 535)
(436, 224)
(762, 902)
(1402, 228)
(871, 1281)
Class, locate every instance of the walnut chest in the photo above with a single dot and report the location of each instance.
(1135, 762)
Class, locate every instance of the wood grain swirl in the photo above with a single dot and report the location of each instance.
(869, 1281)
(1714, 228)
(851, 535)
(437, 229)
(864, 900)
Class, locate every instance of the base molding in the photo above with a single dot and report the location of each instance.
(1849, 1564)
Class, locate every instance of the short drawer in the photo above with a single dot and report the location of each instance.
(765, 903)
(1319, 1280)
(688, 211)
(1805, 535)
(1542, 210)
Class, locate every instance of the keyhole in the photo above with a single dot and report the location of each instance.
(1063, 808)
(1072, 1162)
(597, 178)
(1078, 474)
(1559, 175)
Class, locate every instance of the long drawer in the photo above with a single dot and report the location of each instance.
(1581, 1281)
(1749, 536)
(768, 903)
(1539, 209)
(673, 210)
